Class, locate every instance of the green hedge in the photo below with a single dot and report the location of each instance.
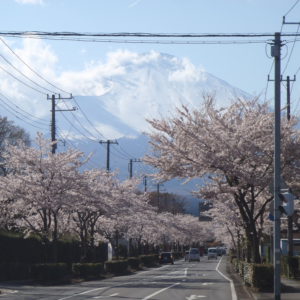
(88, 270)
(116, 266)
(177, 255)
(149, 260)
(290, 266)
(15, 248)
(58, 272)
(14, 271)
(134, 262)
(258, 276)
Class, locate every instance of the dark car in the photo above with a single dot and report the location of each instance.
(166, 258)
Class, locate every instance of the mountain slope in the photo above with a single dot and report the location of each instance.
(150, 85)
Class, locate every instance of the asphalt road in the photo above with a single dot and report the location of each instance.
(183, 281)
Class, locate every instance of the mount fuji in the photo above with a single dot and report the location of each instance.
(115, 97)
(131, 88)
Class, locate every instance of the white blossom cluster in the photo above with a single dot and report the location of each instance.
(47, 194)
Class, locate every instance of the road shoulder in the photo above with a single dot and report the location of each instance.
(241, 290)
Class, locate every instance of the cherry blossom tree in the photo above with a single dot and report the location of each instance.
(10, 134)
(233, 149)
(42, 185)
(92, 201)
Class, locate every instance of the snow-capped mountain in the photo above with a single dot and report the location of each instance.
(114, 98)
(146, 86)
(137, 87)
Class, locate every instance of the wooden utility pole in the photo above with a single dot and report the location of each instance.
(108, 143)
(53, 119)
(130, 166)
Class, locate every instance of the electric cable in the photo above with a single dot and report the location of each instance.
(293, 6)
(164, 42)
(12, 112)
(32, 81)
(86, 117)
(291, 52)
(22, 82)
(38, 120)
(30, 68)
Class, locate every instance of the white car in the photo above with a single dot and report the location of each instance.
(194, 254)
(212, 253)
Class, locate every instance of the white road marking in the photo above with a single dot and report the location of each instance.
(233, 293)
(207, 283)
(10, 292)
(174, 274)
(112, 295)
(193, 297)
(83, 293)
(160, 291)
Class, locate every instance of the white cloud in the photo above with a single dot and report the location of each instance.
(30, 1)
(108, 131)
(131, 86)
(187, 72)
(135, 3)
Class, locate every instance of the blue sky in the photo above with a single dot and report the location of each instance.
(76, 66)
(244, 66)
(73, 65)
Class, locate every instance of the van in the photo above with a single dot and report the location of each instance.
(212, 253)
(194, 254)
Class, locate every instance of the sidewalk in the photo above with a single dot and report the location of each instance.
(290, 288)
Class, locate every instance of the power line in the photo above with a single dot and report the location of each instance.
(133, 34)
(94, 37)
(20, 72)
(38, 120)
(21, 81)
(30, 68)
(291, 52)
(12, 112)
(86, 117)
(163, 42)
(293, 6)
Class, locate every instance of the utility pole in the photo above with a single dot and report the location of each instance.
(158, 200)
(108, 142)
(289, 218)
(288, 95)
(53, 119)
(145, 183)
(276, 49)
(131, 161)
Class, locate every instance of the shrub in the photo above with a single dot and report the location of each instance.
(235, 262)
(258, 276)
(88, 270)
(262, 276)
(56, 272)
(177, 255)
(14, 271)
(149, 260)
(14, 248)
(290, 266)
(116, 266)
(134, 262)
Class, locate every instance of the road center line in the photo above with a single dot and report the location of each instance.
(85, 292)
(233, 293)
(175, 274)
(160, 291)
